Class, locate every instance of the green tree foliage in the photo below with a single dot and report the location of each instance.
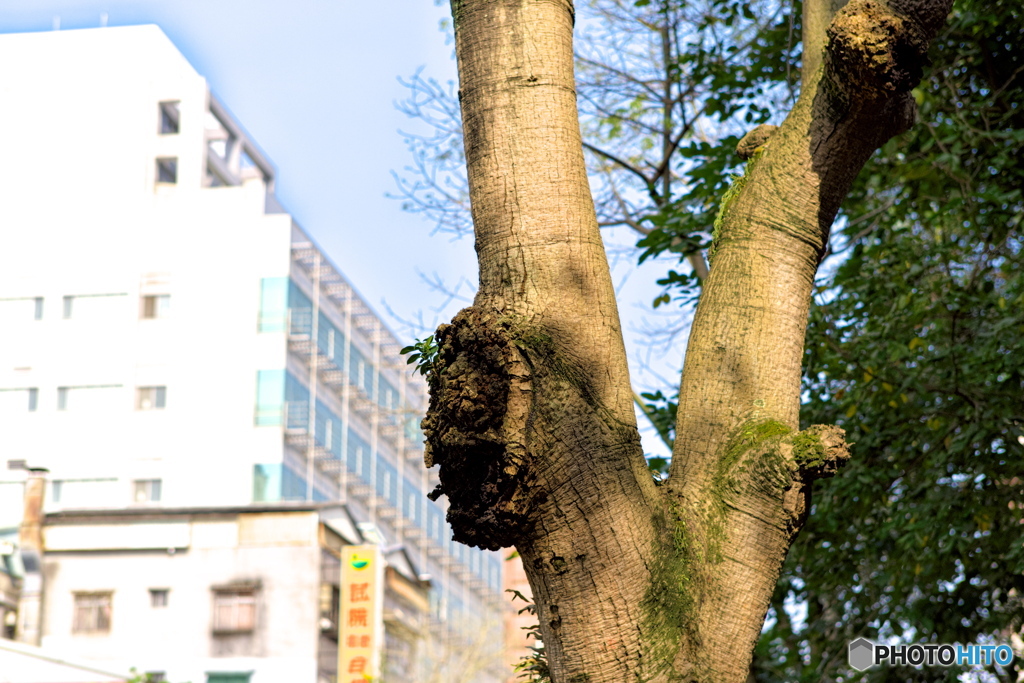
(737, 94)
(916, 348)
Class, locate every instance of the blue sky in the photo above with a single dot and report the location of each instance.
(315, 82)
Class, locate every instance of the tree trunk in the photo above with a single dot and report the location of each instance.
(531, 417)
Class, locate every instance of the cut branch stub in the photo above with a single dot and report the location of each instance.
(820, 450)
(881, 48)
(476, 428)
(765, 463)
(754, 141)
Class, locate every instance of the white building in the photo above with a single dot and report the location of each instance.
(164, 323)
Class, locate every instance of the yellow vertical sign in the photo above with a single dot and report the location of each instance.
(360, 633)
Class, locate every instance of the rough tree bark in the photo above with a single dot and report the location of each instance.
(531, 417)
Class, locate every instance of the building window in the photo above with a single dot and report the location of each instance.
(92, 306)
(151, 398)
(90, 399)
(158, 597)
(228, 677)
(56, 489)
(18, 400)
(167, 170)
(20, 309)
(8, 624)
(234, 610)
(170, 118)
(92, 612)
(156, 306)
(270, 390)
(273, 304)
(147, 491)
(330, 607)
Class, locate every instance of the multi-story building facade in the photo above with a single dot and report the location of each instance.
(173, 340)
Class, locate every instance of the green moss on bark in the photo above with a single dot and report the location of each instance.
(456, 13)
(730, 194)
(669, 608)
(808, 450)
(682, 569)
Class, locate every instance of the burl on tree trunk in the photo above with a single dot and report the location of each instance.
(531, 417)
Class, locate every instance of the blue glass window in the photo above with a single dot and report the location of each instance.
(296, 397)
(325, 332)
(293, 486)
(324, 427)
(411, 502)
(336, 434)
(339, 348)
(355, 365)
(412, 430)
(387, 395)
(277, 482)
(269, 397)
(300, 310)
(435, 523)
(387, 481)
(273, 304)
(368, 374)
(358, 456)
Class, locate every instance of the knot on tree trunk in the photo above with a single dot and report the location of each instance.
(820, 450)
(878, 49)
(764, 459)
(476, 426)
(755, 140)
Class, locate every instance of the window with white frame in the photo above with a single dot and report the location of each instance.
(92, 612)
(234, 610)
(21, 309)
(156, 306)
(167, 170)
(93, 306)
(159, 597)
(92, 399)
(170, 117)
(147, 490)
(73, 493)
(19, 400)
(151, 398)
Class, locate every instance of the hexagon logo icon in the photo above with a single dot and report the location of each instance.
(861, 654)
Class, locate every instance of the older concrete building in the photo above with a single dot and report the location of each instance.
(173, 342)
(220, 594)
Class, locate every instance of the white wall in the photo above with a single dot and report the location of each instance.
(82, 215)
(177, 638)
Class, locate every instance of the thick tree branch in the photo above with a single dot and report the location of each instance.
(531, 414)
(817, 15)
(743, 359)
